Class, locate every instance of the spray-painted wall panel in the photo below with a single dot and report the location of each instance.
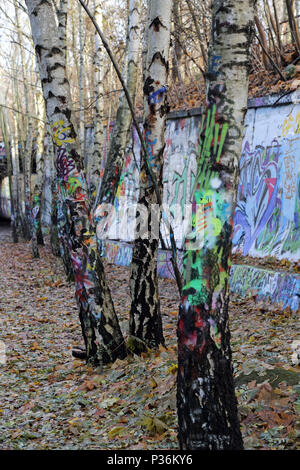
(180, 169)
(120, 223)
(267, 214)
(279, 287)
(268, 209)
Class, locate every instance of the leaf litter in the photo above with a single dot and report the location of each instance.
(49, 400)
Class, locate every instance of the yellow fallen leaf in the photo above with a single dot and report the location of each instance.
(172, 369)
(34, 346)
(116, 431)
(153, 382)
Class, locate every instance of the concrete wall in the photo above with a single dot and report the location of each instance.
(267, 215)
(280, 287)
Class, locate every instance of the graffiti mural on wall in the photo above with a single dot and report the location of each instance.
(280, 288)
(268, 209)
(267, 215)
(120, 253)
(180, 168)
(120, 223)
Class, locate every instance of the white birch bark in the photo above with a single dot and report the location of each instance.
(16, 186)
(13, 196)
(98, 144)
(115, 159)
(81, 80)
(62, 16)
(37, 236)
(28, 143)
(145, 317)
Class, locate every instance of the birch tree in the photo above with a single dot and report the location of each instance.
(37, 236)
(16, 180)
(12, 188)
(62, 16)
(98, 144)
(145, 317)
(29, 133)
(207, 406)
(115, 159)
(81, 79)
(102, 335)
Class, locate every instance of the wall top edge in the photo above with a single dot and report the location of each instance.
(279, 99)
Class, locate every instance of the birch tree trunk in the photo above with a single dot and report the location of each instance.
(62, 15)
(49, 162)
(28, 143)
(116, 155)
(103, 338)
(16, 181)
(95, 160)
(13, 202)
(198, 32)
(207, 406)
(81, 81)
(145, 318)
(37, 236)
(177, 51)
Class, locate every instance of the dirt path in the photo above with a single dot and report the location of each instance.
(49, 400)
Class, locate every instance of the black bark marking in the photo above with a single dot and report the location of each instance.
(156, 23)
(159, 56)
(148, 87)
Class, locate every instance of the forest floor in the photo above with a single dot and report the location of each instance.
(49, 400)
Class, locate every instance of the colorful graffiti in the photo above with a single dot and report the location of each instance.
(120, 221)
(267, 216)
(180, 168)
(77, 238)
(267, 212)
(280, 288)
(204, 264)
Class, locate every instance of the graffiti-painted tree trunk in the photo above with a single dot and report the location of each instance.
(116, 155)
(51, 174)
(103, 338)
(145, 317)
(207, 406)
